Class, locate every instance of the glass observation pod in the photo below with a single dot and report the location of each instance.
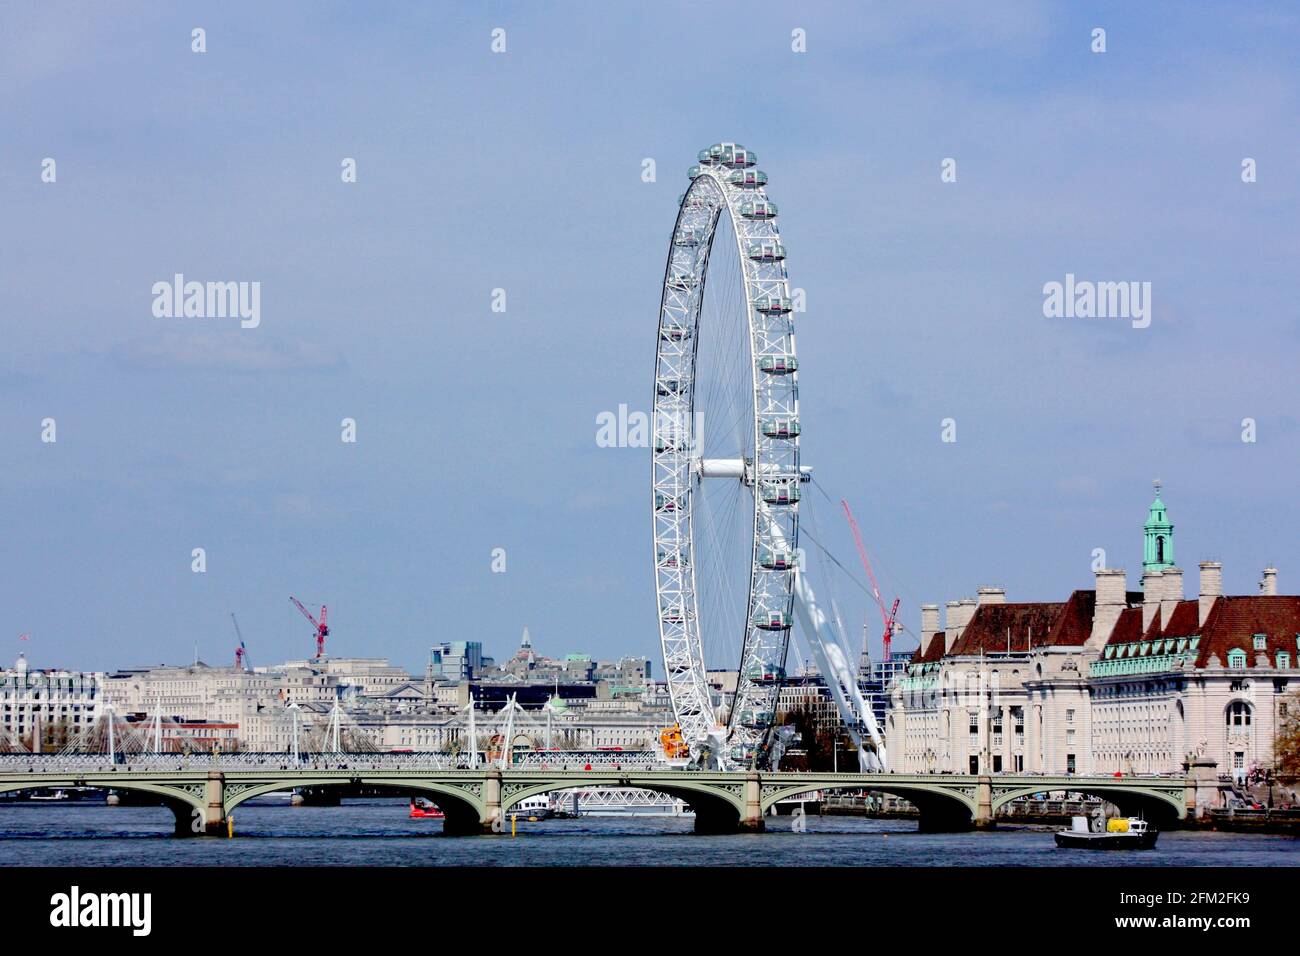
(769, 305)
(766, 251)
(665, 502)
(707, 157)
(781, 492)
(778, 364)
(671, 559)
(668, 386)
(736, 156)
(672, 615)
(772, 621)
(748, 178)
(742, 754)
(781, 427)
(777, 560)
(689, 238)
(758, 209)
(673, 332)
(758, 719)
(670, 443)
(764, 673)
(693, 171)
(682, 281)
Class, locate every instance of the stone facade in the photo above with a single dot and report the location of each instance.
(1108, 681)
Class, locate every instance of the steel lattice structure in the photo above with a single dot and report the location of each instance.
(724, 183)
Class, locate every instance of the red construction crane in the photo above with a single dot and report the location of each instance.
(241, 652)
(890, 616)
(321, 630)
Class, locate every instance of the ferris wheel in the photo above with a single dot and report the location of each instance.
(725, 474)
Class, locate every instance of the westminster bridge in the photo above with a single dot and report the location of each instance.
(204, 790)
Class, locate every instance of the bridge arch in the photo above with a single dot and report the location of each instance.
(1161, 806)
(942, 808)
(185, 803)
(463, 808)
(719, 808)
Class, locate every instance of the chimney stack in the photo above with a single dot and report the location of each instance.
(992, 596)
(952, 619)
(1211, 587)
(929, 623)
(1153, 590)
(1112, 598)
(1268, 585)
(1172, 593)
(959, 615)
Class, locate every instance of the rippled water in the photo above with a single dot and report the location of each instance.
(379, 833)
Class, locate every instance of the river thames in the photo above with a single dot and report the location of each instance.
(378, 832)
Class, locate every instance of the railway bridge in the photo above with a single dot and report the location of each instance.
(204, 793)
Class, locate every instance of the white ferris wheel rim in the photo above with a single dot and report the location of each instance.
(725, 182)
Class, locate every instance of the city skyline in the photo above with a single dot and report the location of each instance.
(477, 429)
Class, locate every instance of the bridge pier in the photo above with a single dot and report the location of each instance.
(983, 819)
(751, 821)
(211, 820)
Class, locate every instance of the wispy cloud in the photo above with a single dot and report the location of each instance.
(232, 352)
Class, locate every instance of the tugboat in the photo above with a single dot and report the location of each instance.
(1120, 834)
(422, 809)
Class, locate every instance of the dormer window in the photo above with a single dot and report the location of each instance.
(1283, 660)
(1261, 642)
(1236, 658)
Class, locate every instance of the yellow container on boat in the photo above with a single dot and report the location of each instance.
(1118, 825)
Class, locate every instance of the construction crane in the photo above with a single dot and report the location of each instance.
(891, 616)
(321, 630)
(242, 663)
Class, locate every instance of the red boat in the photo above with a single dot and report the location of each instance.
(422, 809)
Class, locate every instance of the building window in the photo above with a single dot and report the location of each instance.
(1238, 714)
(1069, 716)
(1069, 763)
(1237, 658)
(1283, 660)
(1018, 762)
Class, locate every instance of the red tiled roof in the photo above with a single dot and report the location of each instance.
(1128, 628)
(997, 628)
(1234, 621)
(927, 655)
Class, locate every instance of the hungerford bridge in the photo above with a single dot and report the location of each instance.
(203, 791)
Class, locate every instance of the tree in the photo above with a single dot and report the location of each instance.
(1286, 749)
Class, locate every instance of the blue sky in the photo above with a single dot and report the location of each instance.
(522, 171)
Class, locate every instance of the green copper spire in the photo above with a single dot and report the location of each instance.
(1159, 550)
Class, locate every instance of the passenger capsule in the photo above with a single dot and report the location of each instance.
(759, 209)
(672, 615)
(778, 364)
(776, 560)
(755, 718)
(772, 621)
(674, 332)
(781, 427)
(736, 156)
(668, 386)
(781, 492)
(665, 502)
(693, 171)
(665, 443)
(672, 559)
(765, 251)
(682, 281)
(763, 673)
(772, 305)
(688, 238)
(748, 178)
